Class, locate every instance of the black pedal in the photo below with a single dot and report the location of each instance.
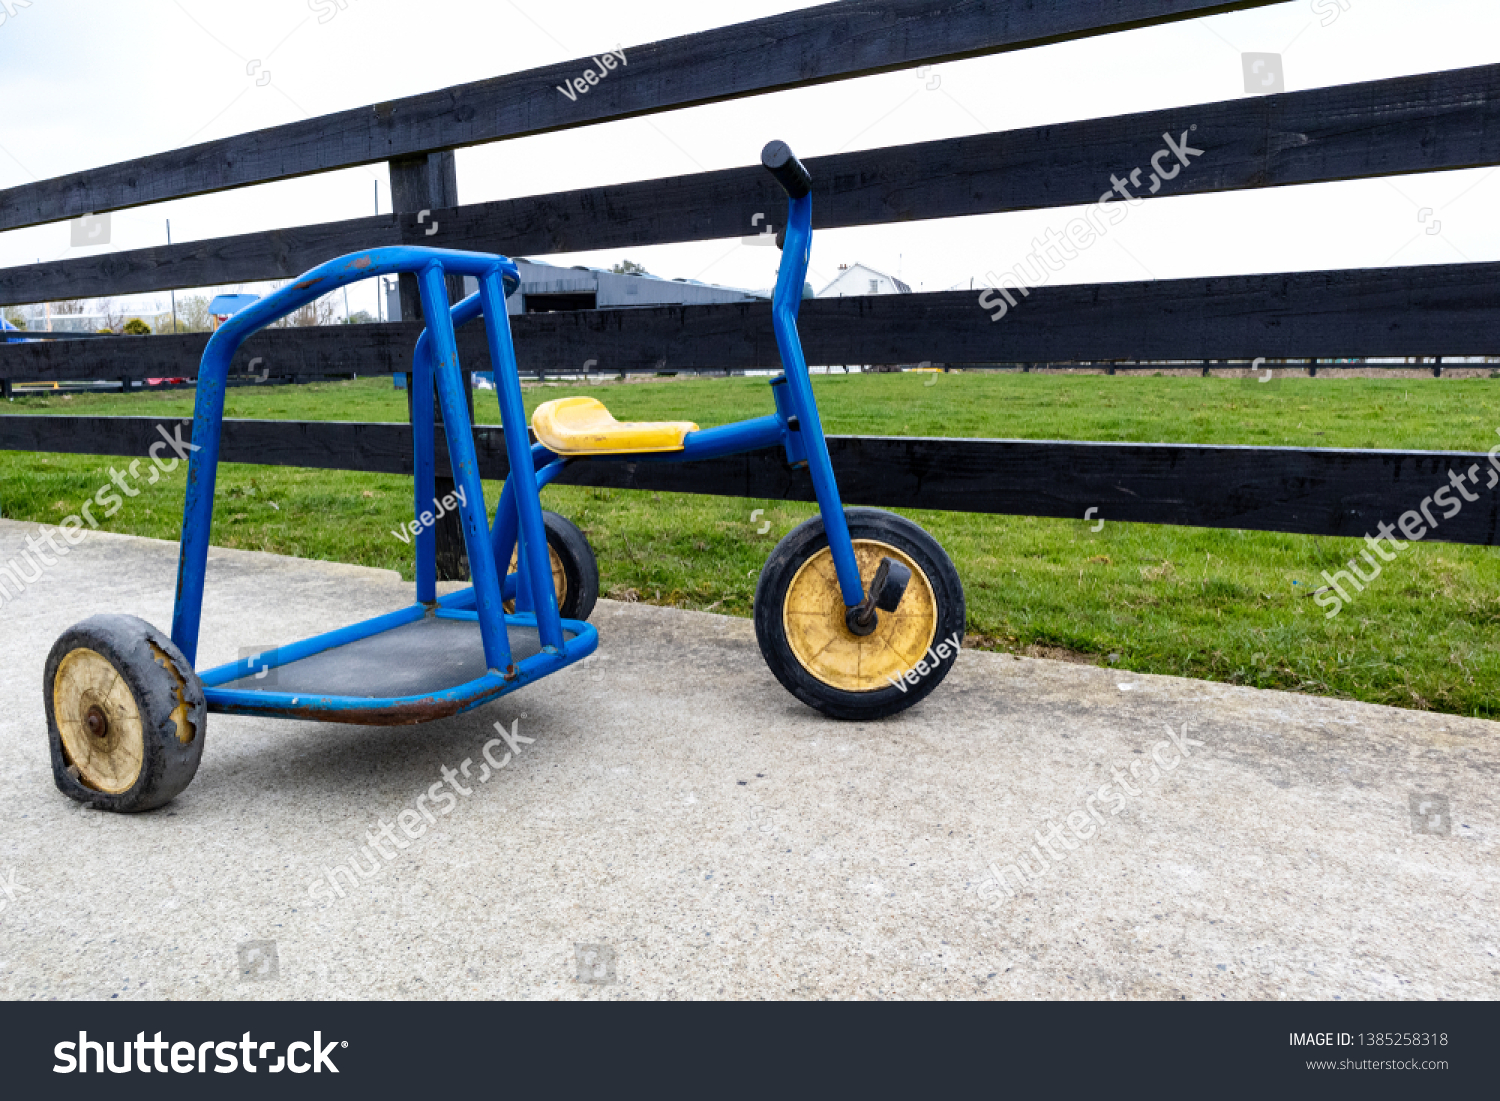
(889, 584)
(884, 592)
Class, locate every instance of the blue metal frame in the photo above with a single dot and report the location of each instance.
(796, 424)
(436, 366)
(518, 524)
(784, 305)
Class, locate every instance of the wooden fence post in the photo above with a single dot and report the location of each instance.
(418, 184)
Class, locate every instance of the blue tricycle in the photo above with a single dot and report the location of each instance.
(858, 612)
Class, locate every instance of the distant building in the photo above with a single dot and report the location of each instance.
(860, 279)
(225, 306)
(547, 288)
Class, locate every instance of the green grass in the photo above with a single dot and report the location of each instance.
(1223, 605)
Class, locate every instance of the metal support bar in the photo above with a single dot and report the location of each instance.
(443, 352)
(535, 562)
(420, 409)
(786, 300)
(417, 184)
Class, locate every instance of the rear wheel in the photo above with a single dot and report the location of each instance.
(805, 637)
(126, 716)
(575, 571)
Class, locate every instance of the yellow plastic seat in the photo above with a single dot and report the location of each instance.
(582, 426)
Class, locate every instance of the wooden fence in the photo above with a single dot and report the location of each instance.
(1433, 122)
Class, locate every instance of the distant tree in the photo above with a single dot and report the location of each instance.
(136, 327)
(320, 311)
(629, 267)
(192, 316)
(358, 317)
(114, 320)
(15, 317)
(69, 306)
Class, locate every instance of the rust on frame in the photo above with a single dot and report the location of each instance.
(408, 714)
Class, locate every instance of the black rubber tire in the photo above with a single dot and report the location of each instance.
(160, 681)
(580, 566)
(808, 539)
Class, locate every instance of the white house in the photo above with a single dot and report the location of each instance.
(858, 279)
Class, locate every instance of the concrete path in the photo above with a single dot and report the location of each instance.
(680, 827)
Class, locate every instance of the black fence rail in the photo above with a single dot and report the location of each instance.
(1308, 491)
(1448, 310)
(1394, 127)
(1416, 124)
(800, 48)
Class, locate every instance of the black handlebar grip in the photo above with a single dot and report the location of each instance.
(790, 173)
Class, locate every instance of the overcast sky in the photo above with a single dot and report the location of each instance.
(88, 82)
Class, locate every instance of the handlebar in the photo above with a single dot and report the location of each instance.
(790, 173)
(801, 416)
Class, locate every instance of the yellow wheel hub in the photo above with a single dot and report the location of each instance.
(559, 576)
(99, 722)
(813, 619)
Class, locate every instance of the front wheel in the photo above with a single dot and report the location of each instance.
(801, 625)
